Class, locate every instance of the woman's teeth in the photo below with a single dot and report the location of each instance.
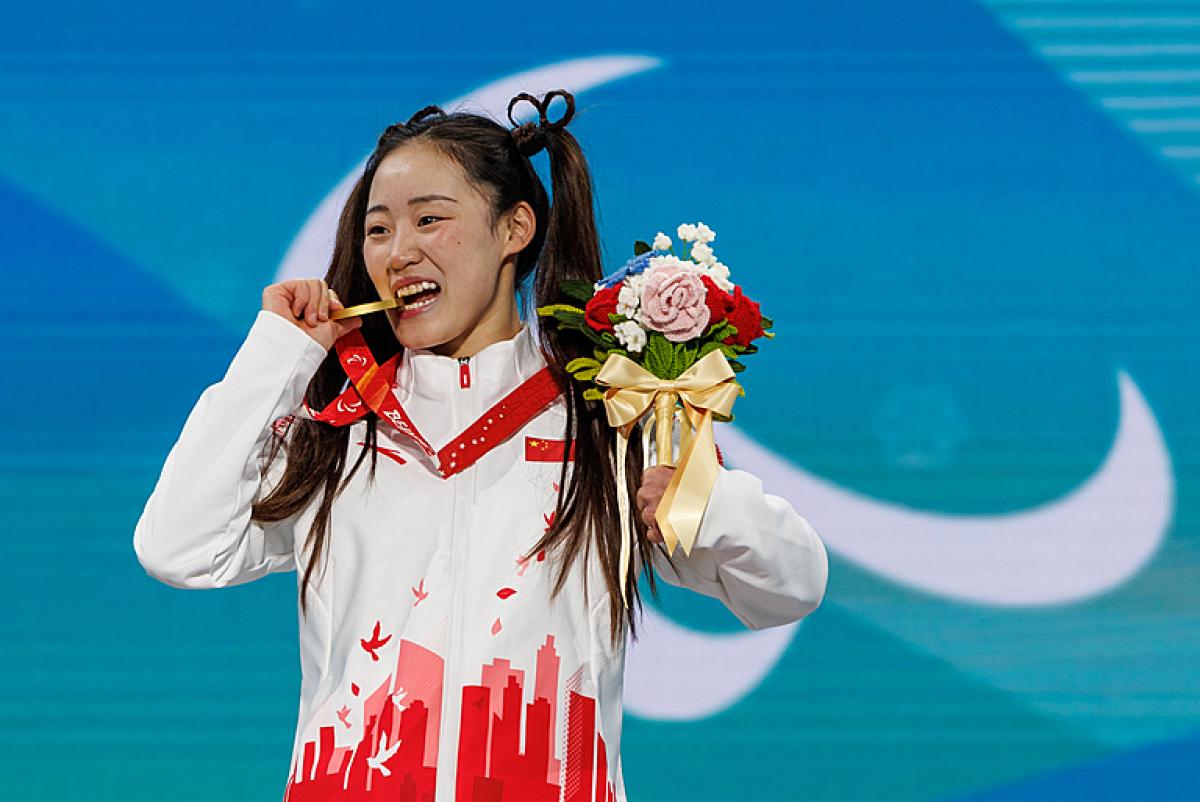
(417, 291)
(419, 304)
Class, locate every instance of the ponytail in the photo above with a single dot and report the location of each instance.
(586, 515)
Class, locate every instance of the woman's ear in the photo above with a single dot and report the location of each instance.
(522, 224)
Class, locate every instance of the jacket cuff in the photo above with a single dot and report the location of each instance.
(274, 346)
(727, 508)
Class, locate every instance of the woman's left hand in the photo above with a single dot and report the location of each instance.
(654, 484)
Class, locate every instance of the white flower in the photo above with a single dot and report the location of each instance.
(704, 233)
(661, 242)
(686, 232)
(719, 273)
(628, 299)
(665, 260)
(702, 253)
(630, 335)
(636, 283)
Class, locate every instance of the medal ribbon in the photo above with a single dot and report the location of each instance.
(370, 390)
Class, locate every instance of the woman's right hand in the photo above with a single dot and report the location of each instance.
(306, 303)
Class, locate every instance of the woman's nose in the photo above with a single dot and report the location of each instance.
(403, 253)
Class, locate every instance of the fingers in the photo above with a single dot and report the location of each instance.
(324, 307)
(316, 294)
(652, 532)
(299, 299)
(648, 505)
(348, 324)
(649, 495)
(308, 303)
(312, 299)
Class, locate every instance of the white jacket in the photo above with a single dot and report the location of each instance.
(434, 664)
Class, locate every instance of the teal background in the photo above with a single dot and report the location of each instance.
(963, 217)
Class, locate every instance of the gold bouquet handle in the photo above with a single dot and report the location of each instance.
(664, 422)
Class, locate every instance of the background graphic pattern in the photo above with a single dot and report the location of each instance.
(974, 223)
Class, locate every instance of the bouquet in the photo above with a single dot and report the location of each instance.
(669, 330)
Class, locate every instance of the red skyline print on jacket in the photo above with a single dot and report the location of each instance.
(494, 765)
(396, 757)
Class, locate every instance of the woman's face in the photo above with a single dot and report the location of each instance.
(427, 238)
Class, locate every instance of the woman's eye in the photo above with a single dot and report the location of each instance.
(426, 217)
(373, 229)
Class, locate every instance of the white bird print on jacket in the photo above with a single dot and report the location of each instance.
(382, 755)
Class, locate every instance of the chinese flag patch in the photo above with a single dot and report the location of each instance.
(546, 449)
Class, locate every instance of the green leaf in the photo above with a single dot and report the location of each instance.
(571, 317)
(587, 374)
(602, 353)
(749, 349)
(640, 247)
(685, 357)
(660, 356)
(578, 289)
(708, 348)
(738, 367)
(593, 394)
(722, 331)
(767, 322)
(552, 310)
(582, 362)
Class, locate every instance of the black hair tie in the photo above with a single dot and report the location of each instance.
(530, 137)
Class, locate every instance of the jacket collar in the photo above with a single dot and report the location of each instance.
(494, 371)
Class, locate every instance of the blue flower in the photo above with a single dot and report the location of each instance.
(634, 266)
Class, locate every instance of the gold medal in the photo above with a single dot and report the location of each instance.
(365, 309)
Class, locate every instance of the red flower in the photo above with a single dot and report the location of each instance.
(744, 314)
(718, 301)
(603, 304)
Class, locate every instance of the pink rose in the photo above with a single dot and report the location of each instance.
(673, 303)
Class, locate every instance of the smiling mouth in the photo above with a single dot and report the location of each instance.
(417, 295)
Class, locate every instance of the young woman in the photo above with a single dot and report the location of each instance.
(462, 629)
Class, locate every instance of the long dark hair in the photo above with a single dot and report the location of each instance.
(565, 246)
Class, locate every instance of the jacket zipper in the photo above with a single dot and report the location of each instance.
(462, 501)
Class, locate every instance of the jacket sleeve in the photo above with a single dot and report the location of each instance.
(195, 531)
(753, 552)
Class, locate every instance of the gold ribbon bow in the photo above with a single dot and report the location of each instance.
(704, 388)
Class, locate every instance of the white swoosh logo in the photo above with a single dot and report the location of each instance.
(678, 674)
(1089, 541)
